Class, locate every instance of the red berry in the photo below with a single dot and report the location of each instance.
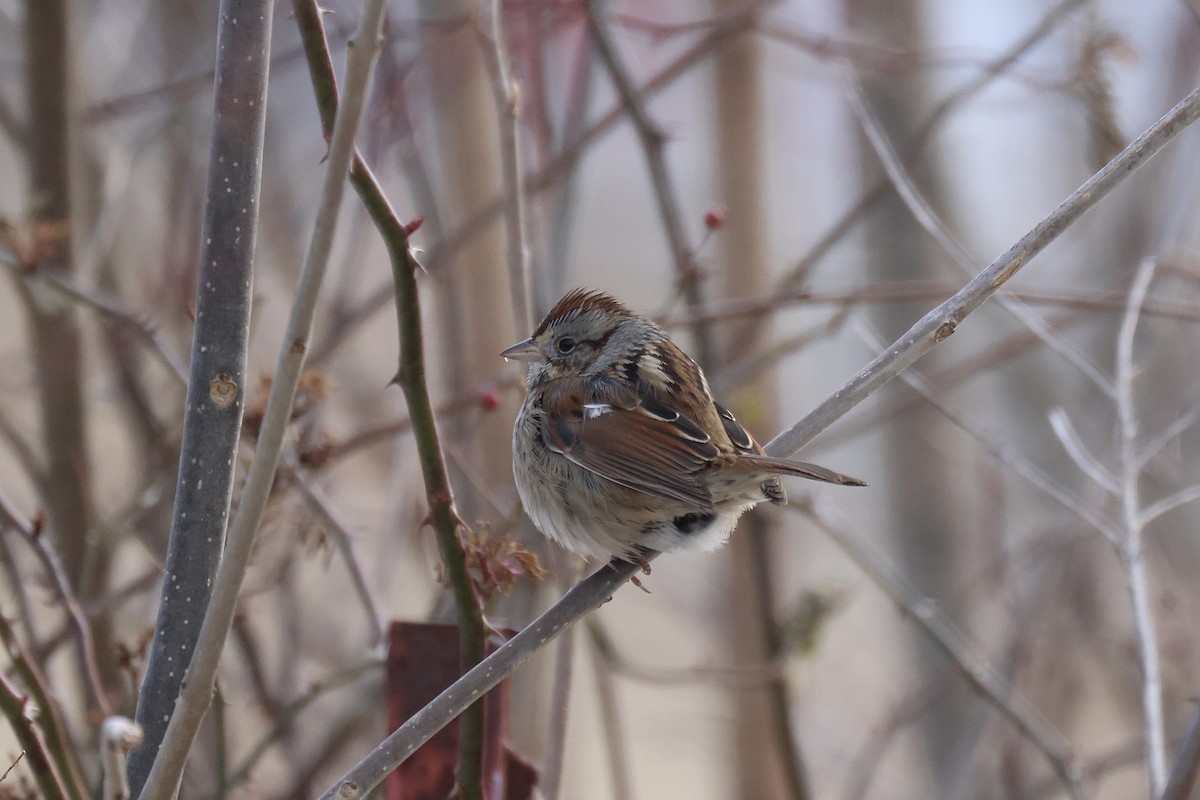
(715, 218)
(489, 400)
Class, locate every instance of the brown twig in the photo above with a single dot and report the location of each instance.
(84, 646)
(289, 714)
(48, 742)
(653, 143)
(46, 773)
(923, 213)
(596, 589)
(329, 519)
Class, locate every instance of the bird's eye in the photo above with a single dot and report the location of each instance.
(566, 344)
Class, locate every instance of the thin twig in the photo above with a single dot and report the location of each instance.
(550, 781)
(1132, 547)
(507, 95)
(1152, 448)
(1060, 423)
(461, 402)
(941, 322)
(84, 647)
(287, 716)
(55, 740)
(917, 291)
(653, 144)
(1169, 503)
(46, 774)
(916, 149)
(1009, 457)
(197, 691)
(588, 595)
(548, 175)
(12, 766)
(110, 308)
(924, 214)
(331, 521)
(983, 679)
(610, 720)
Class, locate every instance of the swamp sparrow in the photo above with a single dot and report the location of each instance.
(619, 444)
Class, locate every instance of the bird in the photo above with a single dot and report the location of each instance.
(619, 446)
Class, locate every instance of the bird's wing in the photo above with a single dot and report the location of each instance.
(629, 438)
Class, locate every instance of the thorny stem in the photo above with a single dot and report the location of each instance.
(586, 596)
(411, 378)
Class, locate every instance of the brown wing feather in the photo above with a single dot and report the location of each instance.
(603, 427)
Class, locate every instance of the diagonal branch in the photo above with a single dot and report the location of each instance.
(940, 323)
(928, 219)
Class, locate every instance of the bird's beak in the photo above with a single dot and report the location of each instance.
(522, 351)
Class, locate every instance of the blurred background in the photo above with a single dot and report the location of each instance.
(750, 213)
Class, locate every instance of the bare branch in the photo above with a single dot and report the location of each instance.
(331, 521)
(507, 94)
(941, 322)
(84, 646)
(1131, 547)
(1153, 447)
(908, 192)
(596, 589)
(983, 679)
(653, 142)
(1087, 463)
(1168, 503)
